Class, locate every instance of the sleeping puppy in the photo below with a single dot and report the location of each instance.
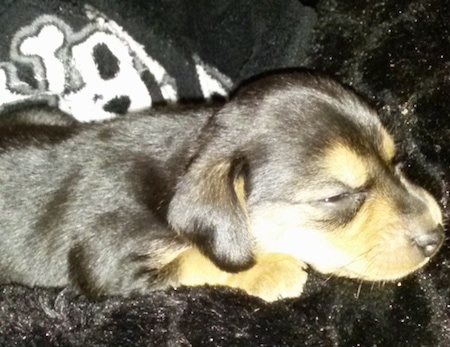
(294, 170)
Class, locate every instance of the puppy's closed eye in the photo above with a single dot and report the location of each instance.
(337, 198)
(339, 209)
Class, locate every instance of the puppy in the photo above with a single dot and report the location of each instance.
(294, 170)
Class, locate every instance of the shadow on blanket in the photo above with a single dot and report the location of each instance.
(396, 54)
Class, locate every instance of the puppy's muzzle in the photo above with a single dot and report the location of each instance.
(429, 242)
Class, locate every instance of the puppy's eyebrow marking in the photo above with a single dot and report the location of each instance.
(345, 165)
(387, 146)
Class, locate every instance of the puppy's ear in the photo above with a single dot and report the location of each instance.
(208, 208)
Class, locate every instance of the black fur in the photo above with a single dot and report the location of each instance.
(83, 205)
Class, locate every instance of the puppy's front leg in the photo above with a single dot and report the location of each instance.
(97, 270)
(273, 277)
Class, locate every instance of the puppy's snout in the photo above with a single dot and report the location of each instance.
(429, 242)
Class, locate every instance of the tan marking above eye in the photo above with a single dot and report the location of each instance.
(345, 165)
(387, 146)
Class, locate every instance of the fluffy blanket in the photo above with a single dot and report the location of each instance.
(98, 59)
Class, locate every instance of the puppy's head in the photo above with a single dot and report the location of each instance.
(298, 165)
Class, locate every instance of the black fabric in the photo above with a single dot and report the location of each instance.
(231, 43)
(395, 53)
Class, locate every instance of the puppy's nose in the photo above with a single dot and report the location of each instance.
(430, 242)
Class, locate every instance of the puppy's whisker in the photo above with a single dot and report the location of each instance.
(358, 292)
(329, 277)
(360, 256)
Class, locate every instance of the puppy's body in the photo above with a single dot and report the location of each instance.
(294, 169)
(92, 193)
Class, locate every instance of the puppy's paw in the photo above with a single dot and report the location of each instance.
(275, 276)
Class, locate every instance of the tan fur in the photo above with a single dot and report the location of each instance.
(387, 148)
(374, 244)
(195, 269)
(345, 165)
(239, 188)
(274, 276)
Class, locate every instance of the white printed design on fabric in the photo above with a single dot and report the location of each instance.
(65, 72)
(212, 81)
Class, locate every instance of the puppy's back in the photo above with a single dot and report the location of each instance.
(57, 179)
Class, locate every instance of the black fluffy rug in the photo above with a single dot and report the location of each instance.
(394, 53)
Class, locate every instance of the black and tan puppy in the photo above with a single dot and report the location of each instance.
(294, 170)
